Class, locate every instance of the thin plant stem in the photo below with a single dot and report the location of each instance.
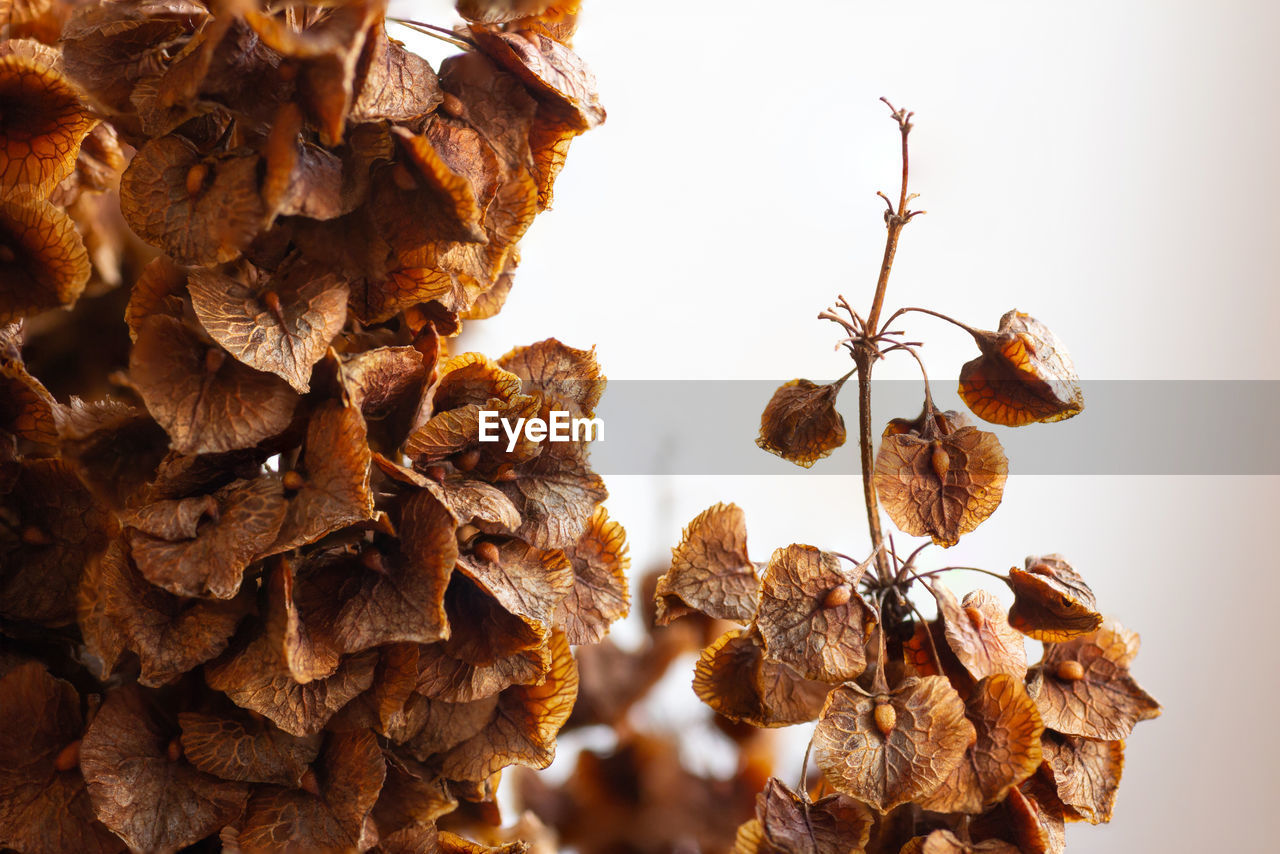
(977, 334)
(933, 647)
(435, 32)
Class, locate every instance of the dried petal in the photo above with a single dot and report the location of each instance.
(820, 641)
(26, 409)
(555, 493)
(282, 324)
(43, 263)
(710, 571)
(553, 72)
(832, 825)
(800, 422)
(1023, 375)
(153, 802)
(734, 678)
(599, 595)
(940, 482)
(397, 86)
(45, 120)
(979, 634)
(946, 842)
(205, 411)
(1087, 774)
(1051, 602)
(928, 741)
(1104, 704)
(560, 373)
(241, 747)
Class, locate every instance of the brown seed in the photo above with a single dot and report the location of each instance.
(467, 460)
(941, 462)
(436, 472)
(271, 300)
(837, 596)
(6, 254)
(506, 474)
(886, 718)
(487, 551)
(33, 536)
(1070, 671)
(371, 559)
(293, 481)
(213, 359)
(195, 178)
(174, 751)
(452, 106)
(68, 758)
(309, 783)
(975, 617)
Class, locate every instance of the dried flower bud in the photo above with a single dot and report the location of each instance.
(975, 617)
(213, 359)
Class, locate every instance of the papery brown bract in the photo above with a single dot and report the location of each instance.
(800, 422)
(237, 746)
(785, 822)
(1086, 773)
(946, 842)
(939, 477)
(27, 409)
(979, 635)
(46, 265)
(927, 741)
(710, 570)
(599, 595)
(1051, 602)
(45, 120)
(560, 372)
(799, 628)
(1105, 702)
(152, 801)
(734, 678)
(1023, 375)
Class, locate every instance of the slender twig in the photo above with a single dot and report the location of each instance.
(976, 333)
(937, 659)
(444, 35)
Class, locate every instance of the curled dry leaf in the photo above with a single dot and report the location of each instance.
(524, 725)
(1007, 750)
(43, 263)
(336, 817)
(927, 740)
(555, 494)
(599, 595)
(199, 209)
(1031, 816)
(281, 324)
(1086, 773)
(44, 808)
(157, 290)
(472, 378)
(978, 633)
(171, 635)
(1023, 375)
(558, 372)
(946, 842)
(821, 641)
(206, 402)
(238, 746)
(45, 121)
(734, 677)
(801, 423)
(381, 380)
(710, 571)
(527, 582)
(27, 409)
(398, 85)
(1083, 687)
(939, 478)
(553, 72)
(209, 546)
(151, 800)
(1051, 602)
(786, 822)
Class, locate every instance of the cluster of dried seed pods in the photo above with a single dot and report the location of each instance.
(932, 735)
(268, 590)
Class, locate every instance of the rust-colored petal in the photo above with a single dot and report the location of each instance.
(45, 120)
(381, 380)
(1006, 753)
(801, 424)
(552, 71)
(1087, 774)
(280, 324)
(940, 483)
(555, 493)
(199, 209)
(599, 595)
(802, 620)
(336, 817)
(559, 372)
(171, 635)
(27, 410)
(398, 85)
(710, 571)
(979, 634)
(152, 801)
(528, 582)
(884, 766)
(734, 678)
(205, 401)
(238, 746)
(301, 178)
(43, 263)
(1083, 687)
(832, 825)
(157, 290)
(1051, 602)
(211, 562)
(472, 378)
(44, 806)
(946, 842)
(330, 486)
(1023, 375)
(524, 724)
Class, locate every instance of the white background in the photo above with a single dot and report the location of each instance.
(1109, 167)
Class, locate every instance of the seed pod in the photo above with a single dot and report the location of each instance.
(195, 178)
(975, 617)
(68, 758)
(293, 481)
(213, 359)
(487, 551)
(467, 460)
(837, 596)
(886, 718)
(941, 462)
(436, 472)
(1070, 671)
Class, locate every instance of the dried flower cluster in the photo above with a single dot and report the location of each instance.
(272, 593)
(933, 735)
